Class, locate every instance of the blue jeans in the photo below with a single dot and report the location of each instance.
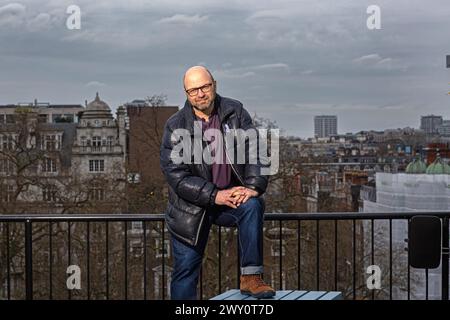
(248, 217)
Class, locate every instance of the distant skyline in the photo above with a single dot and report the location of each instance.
(285, 60)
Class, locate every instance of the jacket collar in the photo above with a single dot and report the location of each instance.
(223, 110)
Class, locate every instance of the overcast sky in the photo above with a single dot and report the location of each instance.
(285, 60)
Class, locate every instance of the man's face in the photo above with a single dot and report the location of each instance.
(200, 89)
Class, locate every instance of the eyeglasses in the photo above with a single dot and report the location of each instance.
(194, 91)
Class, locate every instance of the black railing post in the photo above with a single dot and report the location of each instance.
(163, 243)
(107, 258)
(88, 253)
(281, 255)
(145, 258)
(28, 261)
(50, 260)
(220, 259)
(445, 257)
(298, 253)
(125, 252)
(8, 264)
(317, 255)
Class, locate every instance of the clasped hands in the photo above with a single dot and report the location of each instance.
(234, 196)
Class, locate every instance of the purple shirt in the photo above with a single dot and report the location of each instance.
(220, 169)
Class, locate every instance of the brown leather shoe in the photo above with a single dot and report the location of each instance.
(254, 285)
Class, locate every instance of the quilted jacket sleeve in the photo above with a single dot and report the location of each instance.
(192, 188)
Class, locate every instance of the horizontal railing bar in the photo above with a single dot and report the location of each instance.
(267, 216)
(120, 217)
(352, 215)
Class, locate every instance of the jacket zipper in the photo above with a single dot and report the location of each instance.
(231, 164)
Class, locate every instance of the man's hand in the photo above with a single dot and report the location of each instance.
(243, 194)
(229, 197)
(235, 196)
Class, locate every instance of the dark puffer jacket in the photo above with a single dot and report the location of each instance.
(191, 191)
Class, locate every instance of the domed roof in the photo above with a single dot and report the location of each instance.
(438, 167)
(98, 104)
(97, 109)
(416, 166)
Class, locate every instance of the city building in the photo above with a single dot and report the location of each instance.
(430, 123)
(46, 112)
(444, 128)
(145, 129)
(325, 125)
(145, 125)
(68, 165)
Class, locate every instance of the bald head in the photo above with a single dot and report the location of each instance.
(194, 75)
(200, 88)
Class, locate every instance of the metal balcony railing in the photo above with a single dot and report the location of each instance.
(27, 238)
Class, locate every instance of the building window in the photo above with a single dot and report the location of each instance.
(69, 117)
(136, 225)
(96, 123)
(43, 118)
(49, 193)
(7, 193)
(56, 117)
(275, 250)
(49, 165)
(96, 193)
(83, 143)
(6, 166)
(96, 165)
(109, 143)
(65, 118)
(51, 142)
(7, 142)
(2, 118)
(136, 247)
(96, 143)
(134, 177)
(162, 250)
(10, 118)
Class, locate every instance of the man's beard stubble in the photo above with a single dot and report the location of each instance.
(204, 107)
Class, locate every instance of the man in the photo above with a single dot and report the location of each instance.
(222, 192)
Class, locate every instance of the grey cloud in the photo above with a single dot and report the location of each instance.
(230, 74)
(250, 70)
(368, 59)
(272, 66)
(182, 19)
(12, 15)
(375, 61)
(95, 84)
(41, 22)
(264, 15)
